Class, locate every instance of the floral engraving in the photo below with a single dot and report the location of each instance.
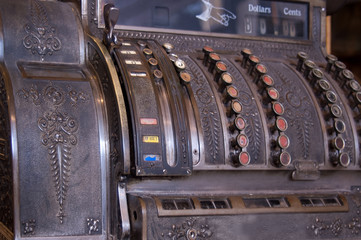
(41, 37)
(300, 119)
(31, 94)
(54, 95)
(189, 229)
(254, 134)
(58, 129)
(58, 135)
(77, 96)
(29, 227)
(92, 225)
(211, 128)
(210, 119)
(338, 227)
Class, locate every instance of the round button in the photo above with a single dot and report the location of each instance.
(254, 59)
(340, 65)
(336, 110)
(157, 74)
(242, 140)
(153, 62)
(261, 68)
(302, 55)
(339, 126)
(281, 124)
(317, 73)
(240, 123)
(246, 51)
(236, 106)
(267, 80)
(273, 93)
(214, 57)
(186, 77)
(358, 97)
(232, 91)
(310, 64)
(207, 49)
(354, 85)
(344, 160)
(283, 141)
(278, 108)
(324, 85)
(331, 58)
(244, 158)
(221, 67)
(142, 43)
(230, 94)
(285, 159)
(147, 51)
(173, 57)
(180, 64)
(347, 74)
(168, 47)
(226, 78)
(339, 143)
(331, 97)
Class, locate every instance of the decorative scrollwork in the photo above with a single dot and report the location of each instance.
(59, 135)
(210, 118)
(211, 127)
(29, 227)
(93, 225)
(41, 37)
(30, 94)
(58, 131)
(54, 95)
(77, 96)
(189, 229)
(339, 227)
(336, 227)
(301, 119)
(254, 133)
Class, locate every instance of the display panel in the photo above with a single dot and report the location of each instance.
(241, 17)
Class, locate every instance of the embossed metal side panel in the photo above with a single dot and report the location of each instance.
(112, 131)
(60, 167)
(57, 132)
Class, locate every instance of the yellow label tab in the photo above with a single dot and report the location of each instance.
(151, 139)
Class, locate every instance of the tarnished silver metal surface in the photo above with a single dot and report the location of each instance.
(115, 131)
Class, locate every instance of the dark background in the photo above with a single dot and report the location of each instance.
(346, 37)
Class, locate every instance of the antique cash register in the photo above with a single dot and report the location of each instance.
(188, 119)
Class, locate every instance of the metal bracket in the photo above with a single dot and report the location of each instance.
(123, 206)
(306, 171)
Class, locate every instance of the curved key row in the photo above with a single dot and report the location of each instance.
(329, 102)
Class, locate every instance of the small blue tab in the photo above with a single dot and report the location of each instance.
(151, 158)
